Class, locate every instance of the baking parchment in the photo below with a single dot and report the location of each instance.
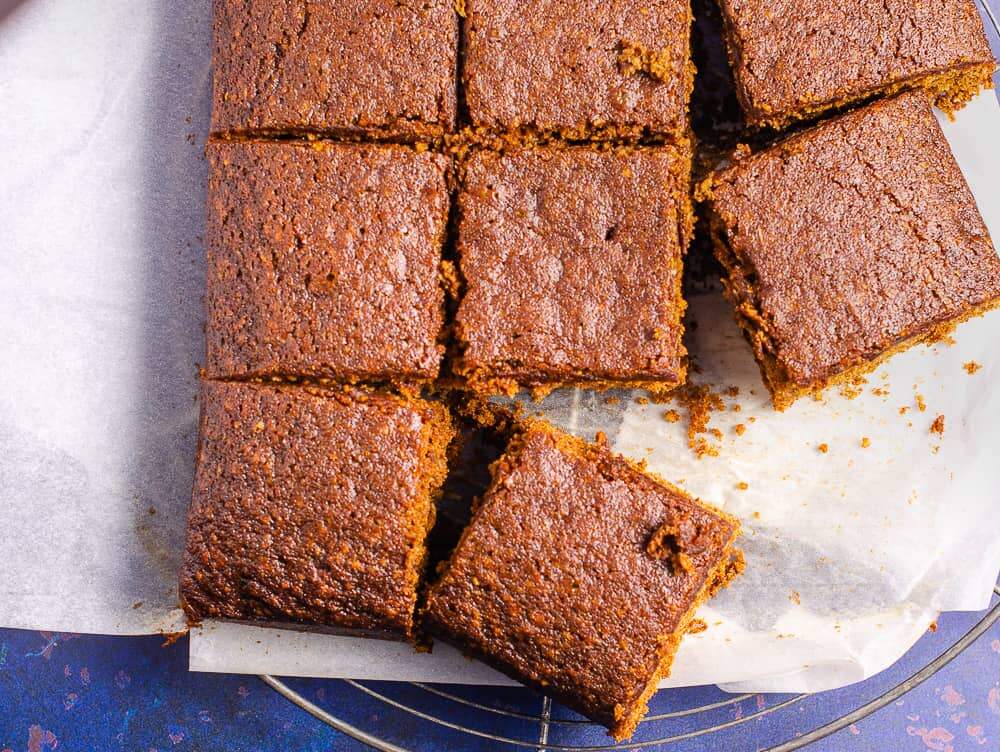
(851, 553)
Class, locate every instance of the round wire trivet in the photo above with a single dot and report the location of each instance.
(545, 721)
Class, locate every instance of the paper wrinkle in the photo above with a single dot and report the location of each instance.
(101, 213)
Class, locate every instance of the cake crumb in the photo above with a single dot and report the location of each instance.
(664, 545)
(921, 405)
(697, 626)
(739, 429)
(612, 400)
(971, 367)
(702, 448)
(938, 425)
(932, 627)
(823, 448)
(601, 438)
(642, 400)
(743, 485)
(865, 442)
(636, 58)
(853, 389)
(904, 410)
(795, 598)
(700, 401)
(756, 515)
(671, 416)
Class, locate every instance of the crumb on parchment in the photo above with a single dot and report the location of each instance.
(853, 389)
(921, 405)
(823, 448)
(971, 367)
(865, 442)
(938, 425)
(699, 401)
(696, 626)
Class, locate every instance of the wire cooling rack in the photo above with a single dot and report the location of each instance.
(417, 716)
(411, 716)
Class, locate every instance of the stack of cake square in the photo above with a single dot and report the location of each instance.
(403, 199)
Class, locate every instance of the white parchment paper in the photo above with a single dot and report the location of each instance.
(851, 553)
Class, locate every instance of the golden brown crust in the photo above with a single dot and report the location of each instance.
(796, 59)
(553, 581)
(311, 506)
(324, 261)
(848, 243)
(569, 276)
(556, 68)
(345, 68)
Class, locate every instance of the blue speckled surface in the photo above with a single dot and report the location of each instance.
(99, 693)
(89, 693)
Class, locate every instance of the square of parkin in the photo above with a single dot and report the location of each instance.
(850, 242)
(340, 67)
(795, 59)
(324, 261)
(312, 507)
(571, 261)
(579, 574)
(584, 70)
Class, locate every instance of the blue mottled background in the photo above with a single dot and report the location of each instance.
(70, 692)
(91, 693)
